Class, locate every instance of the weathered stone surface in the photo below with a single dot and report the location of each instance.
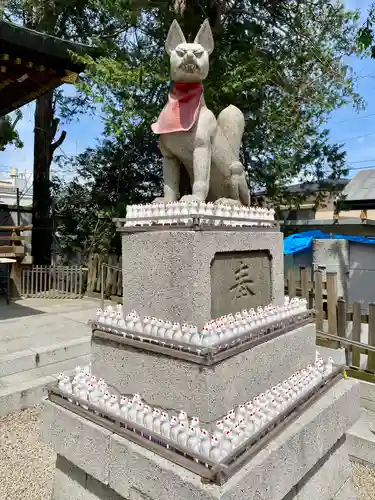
(327, 476)
(270, 475)
(207, 392)
(346, 492)
(171, 274)
(81, 442)
(72, 483)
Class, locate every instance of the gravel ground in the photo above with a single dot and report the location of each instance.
(364, 481)
(27, 465)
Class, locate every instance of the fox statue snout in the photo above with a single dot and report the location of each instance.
(189, 133)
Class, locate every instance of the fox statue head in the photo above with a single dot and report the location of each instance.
(189, 62)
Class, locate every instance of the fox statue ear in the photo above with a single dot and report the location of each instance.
(174, 38)
(205, 37)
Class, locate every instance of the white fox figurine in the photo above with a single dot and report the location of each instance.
(190, 134)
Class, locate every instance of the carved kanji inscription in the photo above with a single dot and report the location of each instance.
(240, 280)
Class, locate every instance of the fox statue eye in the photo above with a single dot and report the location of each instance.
(180, 52)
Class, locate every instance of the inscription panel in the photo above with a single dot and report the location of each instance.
(240, 280)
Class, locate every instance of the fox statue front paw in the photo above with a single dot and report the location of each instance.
(188, 198)
(227, 201)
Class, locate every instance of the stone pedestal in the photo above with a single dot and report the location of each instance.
(306, 461)
(207, 392)
(193, 276)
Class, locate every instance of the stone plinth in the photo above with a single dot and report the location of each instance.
(206, 392)
(72, 483)
(195, 275)
(307, 460)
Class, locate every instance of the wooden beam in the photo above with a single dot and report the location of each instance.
(16, 228)
(14, 238)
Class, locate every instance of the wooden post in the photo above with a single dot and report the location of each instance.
(341, 327)
(371, 337)
(102, 286)
(305, 284)
(95, 272)
(332, 302)
(356, 333)
(318, 280)
(90, 270)
(341, 318)
(15, 282)
(120, 290)
(108, 281)
(116, 263)
(292, 283)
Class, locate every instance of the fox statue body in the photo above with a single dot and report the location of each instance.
(191, 136)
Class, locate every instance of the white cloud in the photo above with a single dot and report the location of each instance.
(361, 139)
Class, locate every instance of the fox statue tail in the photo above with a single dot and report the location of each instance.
(231, 122)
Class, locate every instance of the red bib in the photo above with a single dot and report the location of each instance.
(182, 109)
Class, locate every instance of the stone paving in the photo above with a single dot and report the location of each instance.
(40, 338)
(34, 323)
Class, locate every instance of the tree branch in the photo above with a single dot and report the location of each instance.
(15, 121)
(58, 143)
(54, 125)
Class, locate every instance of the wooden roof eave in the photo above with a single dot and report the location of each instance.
(45, 45)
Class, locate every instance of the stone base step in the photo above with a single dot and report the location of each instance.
(38, 357)
(27, 388)
(361, 438)
(307, 460)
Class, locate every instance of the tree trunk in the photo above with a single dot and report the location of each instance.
(42, 225)
(192, 13)
(44, 132)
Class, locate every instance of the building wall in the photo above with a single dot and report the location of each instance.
(361, 277)
(354, 264)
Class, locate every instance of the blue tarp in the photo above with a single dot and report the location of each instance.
(303, 241)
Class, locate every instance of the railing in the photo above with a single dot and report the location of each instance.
(338, 324)
(109, 277)
(13, 245)
(320, 293)
(53, 282)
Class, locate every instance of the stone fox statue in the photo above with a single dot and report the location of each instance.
(191, 136)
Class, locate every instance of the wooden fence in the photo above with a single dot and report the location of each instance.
(54, 282)
(336, 317)
(107, 271)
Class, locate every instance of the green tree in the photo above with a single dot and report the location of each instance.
(8, 132)
(106, 182)
(78, 21)
(366, 34)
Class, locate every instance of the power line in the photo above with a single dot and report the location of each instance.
(362, 161)
(369, 167)
(352, 119)
(355, 137)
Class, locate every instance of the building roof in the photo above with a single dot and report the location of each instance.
(360, 192)
(32, 63)
(311, 187)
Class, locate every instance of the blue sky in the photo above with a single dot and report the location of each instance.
(355, 130)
